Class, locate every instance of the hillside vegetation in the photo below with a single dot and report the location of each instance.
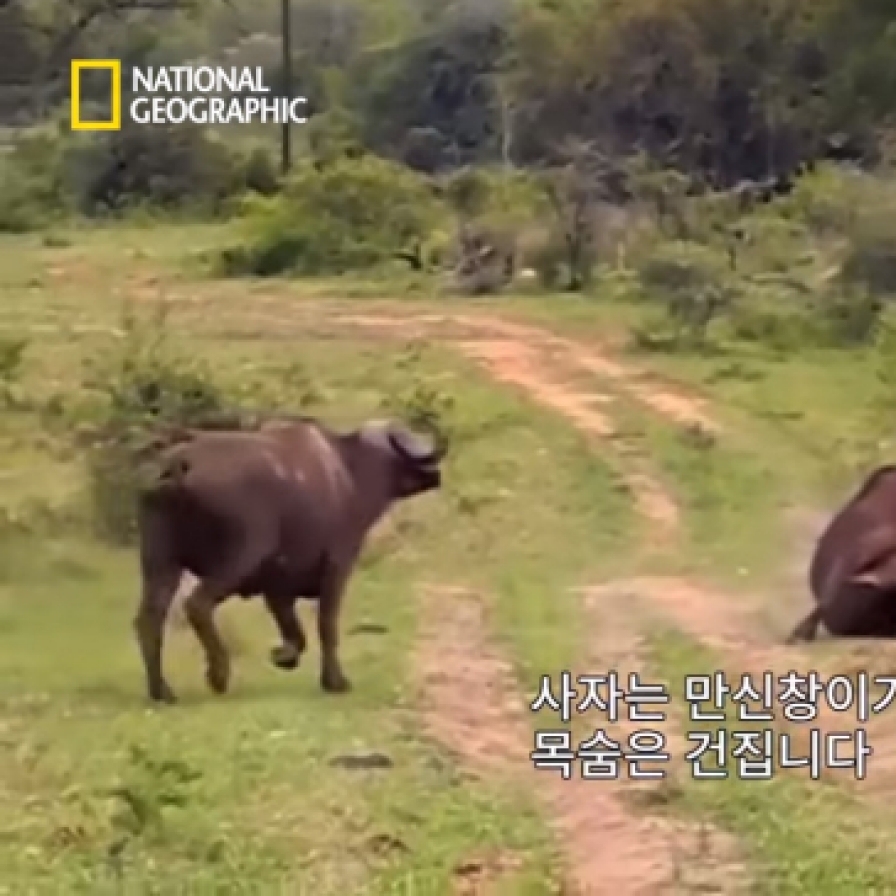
(634, 261)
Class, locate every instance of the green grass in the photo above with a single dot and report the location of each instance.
(260, 809)
(265, 813)
(530, 510)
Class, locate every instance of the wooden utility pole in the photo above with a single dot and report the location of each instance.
(286, 64)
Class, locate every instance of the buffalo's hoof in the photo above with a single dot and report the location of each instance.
(162, 694)
(285, 656)
(335, 683)
(218, 678)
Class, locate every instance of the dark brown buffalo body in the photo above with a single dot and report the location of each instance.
(853, 570)
(280, 512)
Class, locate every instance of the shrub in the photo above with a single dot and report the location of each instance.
(884, 398)
(827, 199)
(33, 190)
(259, 172)
(495, 194)
(770, 242)
(420, 401)
(694, 285)
(141, 383)
(350, 215)
(19, 212)
(664, 191)
(851, 318)
(170, 166)
(870, 260)
(778, 312)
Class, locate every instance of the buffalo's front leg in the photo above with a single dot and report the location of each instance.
(332, 678)
(294, 643)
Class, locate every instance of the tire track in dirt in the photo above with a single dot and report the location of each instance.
(634, 852)
(704, 858)
(522, 355)
(683, 409)
(609, 847)
(531, 360)
(519, 359)
(516, 364)
(719, 621)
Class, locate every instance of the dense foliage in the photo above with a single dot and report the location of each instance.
(725, 158)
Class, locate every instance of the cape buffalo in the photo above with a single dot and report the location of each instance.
(853, 571)
(280, 512)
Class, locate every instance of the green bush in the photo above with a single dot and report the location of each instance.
(827, 199)
(771, 243)
(421, 402)
(694, 285)
(350, 215)
(884, 398)
(870, 261)
(777, 314)
(168, 167)
(142, 382)
(259, 172)
(33, 188)
(494, 194)
(850, 318)
(19, 210)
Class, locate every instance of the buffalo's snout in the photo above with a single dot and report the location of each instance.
(418, 479)
(432, 479)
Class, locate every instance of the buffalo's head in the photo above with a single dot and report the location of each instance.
(411, 461)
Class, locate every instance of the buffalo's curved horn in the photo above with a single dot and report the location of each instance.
(414, 448)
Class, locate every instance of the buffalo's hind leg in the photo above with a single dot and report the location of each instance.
(214, 589)
(807, 628)
(288, 654)
(161, 575)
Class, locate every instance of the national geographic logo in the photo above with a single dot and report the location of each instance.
(182, 93)
(113, 66)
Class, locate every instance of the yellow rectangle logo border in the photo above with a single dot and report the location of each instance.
(114, 67)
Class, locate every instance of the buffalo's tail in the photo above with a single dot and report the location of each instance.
(168, 481)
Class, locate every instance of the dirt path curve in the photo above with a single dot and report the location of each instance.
(610, 848)
(637, 382)
(534, 361)
(517, 364)
(611, 845)
(634, 853)
(538, 363)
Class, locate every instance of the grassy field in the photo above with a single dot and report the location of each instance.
(246, 793)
